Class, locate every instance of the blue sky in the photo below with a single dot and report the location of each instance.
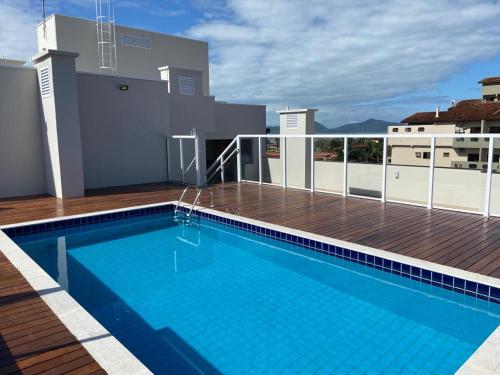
(353, 60)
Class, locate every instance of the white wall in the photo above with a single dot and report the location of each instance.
(22, 167)
(80, 35)
(123, 132)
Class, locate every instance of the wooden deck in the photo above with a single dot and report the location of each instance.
(32, 339)
(466, 241)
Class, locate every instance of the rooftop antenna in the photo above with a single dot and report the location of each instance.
(106, 36)
(44, 24)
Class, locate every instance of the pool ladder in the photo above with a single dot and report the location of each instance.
(196, 199)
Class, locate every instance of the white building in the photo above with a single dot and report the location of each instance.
(66, 125)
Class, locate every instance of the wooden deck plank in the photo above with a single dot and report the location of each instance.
(32, 338)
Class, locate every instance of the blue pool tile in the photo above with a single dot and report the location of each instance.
(483, 289)
(459, 283)
(405, 269)
(471, 286)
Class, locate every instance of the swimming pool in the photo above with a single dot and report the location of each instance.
(215, 299)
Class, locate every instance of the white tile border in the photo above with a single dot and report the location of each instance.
(116, 359)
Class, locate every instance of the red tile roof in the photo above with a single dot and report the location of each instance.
(466, 110)
(490, 80)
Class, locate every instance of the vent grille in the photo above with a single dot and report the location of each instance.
(186, 85)
(135, 41)
(292, 120)
(45, 82)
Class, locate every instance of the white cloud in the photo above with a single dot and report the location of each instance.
(18, 20)
(343, 57)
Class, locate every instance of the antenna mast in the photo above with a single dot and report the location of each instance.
(106, 37)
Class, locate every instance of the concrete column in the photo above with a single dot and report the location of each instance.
(298, 150)
(63, 148)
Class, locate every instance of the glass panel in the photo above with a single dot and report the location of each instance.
(364, 168)
(174, 169)
(272, 165)
(249, 159)
(328, 164)
(495, 179)
(459, 173)
(407, 177)
(298, 162)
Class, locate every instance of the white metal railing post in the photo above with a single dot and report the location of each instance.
(222, 175)
(431, 173)
(168, 158)
(487, 196)
(346, 156)
(260, 160)
(312, 164)
(238, 157)
(197, 156)
(384, 169)
(283, 155)
(181, 158)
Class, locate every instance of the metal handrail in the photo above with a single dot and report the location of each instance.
(221, 165)
(182, 196)
(209, 170)
(195, 201)
(380, 135)
(190, 165)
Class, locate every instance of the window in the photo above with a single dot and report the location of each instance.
(395, 130)
(135, 41)
(418, 154)
(292, 120)
(427, 155)
(496, 158)
(45, 82)
(421, 129)
(495, 129)
(408, 130)
(446, 154)
(186, 85)
(473, 157)
(475, 130)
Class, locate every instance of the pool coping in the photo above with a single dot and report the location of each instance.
(117, 359)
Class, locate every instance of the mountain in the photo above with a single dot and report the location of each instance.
(369, 126)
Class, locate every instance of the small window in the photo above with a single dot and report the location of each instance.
(186, 85)
(475, 130)
(292, 120)
(408, 130)
(427, 155)
(473, 157)
(418, 154)
(446, 154)
(395, 130)
(421, 129)
(135, 41)
(496, 157)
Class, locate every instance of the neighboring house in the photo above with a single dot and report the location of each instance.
(467, 116)
(68, 125)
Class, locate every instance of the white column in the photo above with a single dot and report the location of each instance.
(197, 155)
(346, 155)
(384, 169)
(181, 158)
(283, 155)
(312, 164)
(487, 198)
(238, 157)
(260, 160)
(431, 173)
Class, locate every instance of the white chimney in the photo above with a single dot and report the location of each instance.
(437, 111)
(453, 103)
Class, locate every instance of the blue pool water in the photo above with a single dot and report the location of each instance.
(214, 299)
